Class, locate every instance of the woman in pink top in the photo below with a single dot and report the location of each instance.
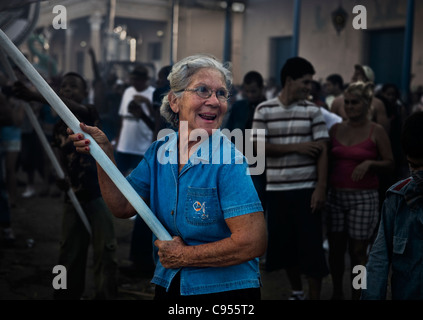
(360, 149)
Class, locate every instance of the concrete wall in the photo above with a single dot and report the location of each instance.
(319, 42)
(202, 30)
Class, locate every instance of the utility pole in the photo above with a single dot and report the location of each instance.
(227, 46)
(296, 27)
(408, 52)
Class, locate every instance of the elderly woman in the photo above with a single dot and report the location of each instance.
(360, 149)
(210, 208)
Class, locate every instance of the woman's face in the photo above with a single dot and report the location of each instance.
(201, 113)
(354, 106)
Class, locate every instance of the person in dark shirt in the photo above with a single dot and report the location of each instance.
(394, 268)
(162, 89)
(241, 117)
(81, 175)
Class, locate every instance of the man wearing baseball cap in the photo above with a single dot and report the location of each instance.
(363, 73)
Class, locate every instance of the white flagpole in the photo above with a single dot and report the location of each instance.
(44, 142)
(73, 123)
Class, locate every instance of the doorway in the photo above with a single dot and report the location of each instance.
(280, 51)
(385, 54)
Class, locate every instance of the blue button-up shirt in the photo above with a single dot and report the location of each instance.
(194, 203)
(398, 247)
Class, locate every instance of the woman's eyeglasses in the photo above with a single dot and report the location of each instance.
(203, 92)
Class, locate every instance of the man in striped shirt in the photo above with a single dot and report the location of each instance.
(296, 162)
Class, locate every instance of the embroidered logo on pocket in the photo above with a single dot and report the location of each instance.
(202, 206)
(198, 206)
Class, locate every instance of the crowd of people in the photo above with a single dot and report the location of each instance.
(334, 152)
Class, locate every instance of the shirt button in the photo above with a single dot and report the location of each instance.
(172, 212)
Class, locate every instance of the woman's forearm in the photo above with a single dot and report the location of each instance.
(382, 166)
(223, 253)
(115, 200)
(247, 241)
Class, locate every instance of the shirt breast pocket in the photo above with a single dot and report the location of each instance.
(202, 206)
(399, 245)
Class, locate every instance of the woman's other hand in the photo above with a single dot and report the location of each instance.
(82, 144)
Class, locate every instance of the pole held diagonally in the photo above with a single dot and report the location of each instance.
(44, 142)
(73, 123)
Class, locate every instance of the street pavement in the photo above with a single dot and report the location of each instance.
(26, 268)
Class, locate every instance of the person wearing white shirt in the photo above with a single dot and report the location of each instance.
(136, 133)
(135, 137)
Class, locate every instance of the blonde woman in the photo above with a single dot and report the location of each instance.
(359, 150)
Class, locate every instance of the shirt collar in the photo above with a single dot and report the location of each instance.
(213, 144)
(412, 193)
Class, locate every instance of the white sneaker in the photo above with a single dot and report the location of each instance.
(29, 192)
(326, 245)
(294, 296)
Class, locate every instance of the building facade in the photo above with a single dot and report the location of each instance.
(262, 35)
